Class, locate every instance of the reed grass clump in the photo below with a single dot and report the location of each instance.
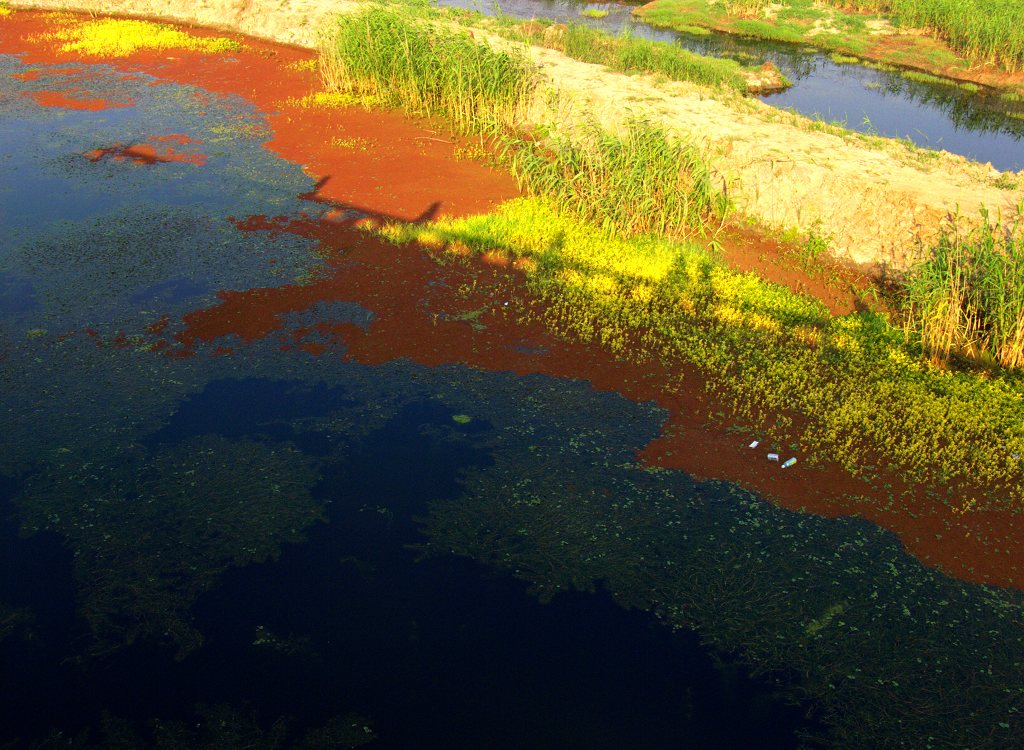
(402, 59)
(640, 182)
(627, 53)
(987, 30)
(967, 296)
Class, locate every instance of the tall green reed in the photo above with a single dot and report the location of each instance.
(402, 60)
(967, 296)
(640, 182)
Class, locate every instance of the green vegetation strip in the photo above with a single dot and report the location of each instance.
(989, 30)
(629, 54)
(859, 394)
(849, 389)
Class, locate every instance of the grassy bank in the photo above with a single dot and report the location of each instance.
(841, 388)
(981, 30)
(848, 389)
(963, 34)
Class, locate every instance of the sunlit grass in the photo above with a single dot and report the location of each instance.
(847, 388)
(118, 37)
(405, 61)
(967, 297)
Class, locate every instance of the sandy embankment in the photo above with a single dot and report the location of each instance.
(874, 201)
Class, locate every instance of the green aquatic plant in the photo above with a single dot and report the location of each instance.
(403, 60)
(642, 181)
(118, 37)
(883, 650)
(853, 387)
(967, 296)
(148, 542)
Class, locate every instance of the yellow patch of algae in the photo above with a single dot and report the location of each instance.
(118, 37)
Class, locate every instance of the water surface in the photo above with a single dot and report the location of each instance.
(312, 552)
(867, 100)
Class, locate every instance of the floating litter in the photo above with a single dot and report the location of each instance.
(773, 456)
(755, 444)
(789, 462)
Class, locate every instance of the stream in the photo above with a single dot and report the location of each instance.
(945, 117)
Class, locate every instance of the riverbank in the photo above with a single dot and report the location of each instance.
(755, 359)
(861, 35)
(874, 200)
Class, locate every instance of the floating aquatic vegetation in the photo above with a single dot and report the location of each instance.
(151, 532)
(890, 651)
(764, 349)
(99, 271)
(223, 727)
(119, 37)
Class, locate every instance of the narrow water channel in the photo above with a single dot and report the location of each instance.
(945, 117)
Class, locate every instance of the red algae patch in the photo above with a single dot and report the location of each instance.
(64, 100)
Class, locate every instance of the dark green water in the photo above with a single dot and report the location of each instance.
(278, 550)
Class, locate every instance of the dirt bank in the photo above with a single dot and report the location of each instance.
(874, 198)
